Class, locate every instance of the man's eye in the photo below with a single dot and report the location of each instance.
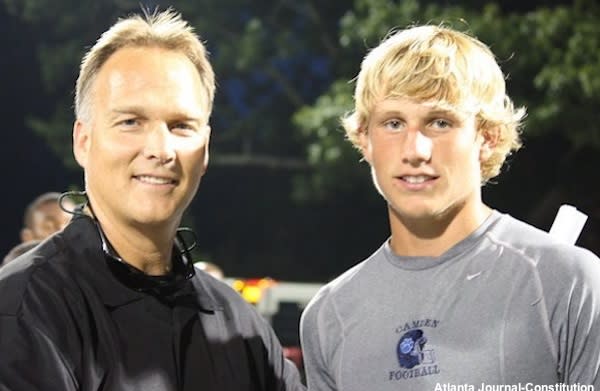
(129, 122)
(183, 127)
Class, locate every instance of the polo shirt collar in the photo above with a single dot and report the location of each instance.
(112, 285)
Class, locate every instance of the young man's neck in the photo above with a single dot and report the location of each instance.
(433, 236)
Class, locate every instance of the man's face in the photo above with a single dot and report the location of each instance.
(425, 160)
(47, 219)
(145, 147)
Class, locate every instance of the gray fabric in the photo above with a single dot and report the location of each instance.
(507, 305)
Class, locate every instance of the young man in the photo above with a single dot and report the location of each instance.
(113, 302)
(460, 294)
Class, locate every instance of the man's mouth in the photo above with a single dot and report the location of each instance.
(153, 180)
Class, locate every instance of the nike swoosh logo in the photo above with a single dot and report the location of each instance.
(472, 276)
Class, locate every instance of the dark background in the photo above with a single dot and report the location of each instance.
(245, 218)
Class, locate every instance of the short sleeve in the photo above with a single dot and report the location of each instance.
(319, 327)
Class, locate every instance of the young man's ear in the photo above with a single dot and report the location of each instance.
(81, 142)
(364, 144)
(490, 139)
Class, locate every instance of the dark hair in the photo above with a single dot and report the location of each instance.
(36, 203)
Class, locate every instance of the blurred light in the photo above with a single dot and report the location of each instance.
(238, 285)
(252, 289)
(252, 294)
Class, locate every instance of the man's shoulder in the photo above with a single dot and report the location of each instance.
(219, 296)
(227, 313)
(35, 272)
(219, 292)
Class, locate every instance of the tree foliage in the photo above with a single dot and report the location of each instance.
(271, 58)
(285, 70)
(550, 56)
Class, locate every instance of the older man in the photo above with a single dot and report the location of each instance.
(114, 302)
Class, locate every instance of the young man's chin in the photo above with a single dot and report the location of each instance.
(412, 212)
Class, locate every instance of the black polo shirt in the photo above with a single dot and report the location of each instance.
(68, 322)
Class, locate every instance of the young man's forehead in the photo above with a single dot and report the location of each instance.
(434, 105)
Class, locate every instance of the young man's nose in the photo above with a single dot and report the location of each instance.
(417, 147)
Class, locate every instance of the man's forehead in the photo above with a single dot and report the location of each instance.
(124, 88)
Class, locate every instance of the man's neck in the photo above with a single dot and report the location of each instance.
(433, 236)
(146, 248)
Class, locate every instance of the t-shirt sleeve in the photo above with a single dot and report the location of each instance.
(319, 327)
(29, 360)
(579, 326)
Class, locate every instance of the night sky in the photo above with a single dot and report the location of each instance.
(29, 167)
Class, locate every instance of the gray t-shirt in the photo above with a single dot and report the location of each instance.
(507, 305)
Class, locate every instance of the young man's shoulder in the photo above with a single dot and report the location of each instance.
(350, 283)
(528, 244)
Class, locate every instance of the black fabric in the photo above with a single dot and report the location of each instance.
(68, 323)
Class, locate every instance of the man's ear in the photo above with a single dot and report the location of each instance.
(490, 139)
(364, 145)
(81, 142)
(206, 149)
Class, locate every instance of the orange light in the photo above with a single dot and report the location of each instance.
(238, 285)
(252, 288)
(265, 283)
(252, 293)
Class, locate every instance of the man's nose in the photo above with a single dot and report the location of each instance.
(159, 144)
(417, 147)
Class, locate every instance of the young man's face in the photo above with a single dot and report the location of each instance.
(425, 160)
(145, 147)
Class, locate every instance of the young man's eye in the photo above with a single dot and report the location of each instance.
(441, 124)
(393, 124)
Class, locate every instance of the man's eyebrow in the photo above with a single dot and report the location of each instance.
(140, 111)
(127, 110)
(180, 116)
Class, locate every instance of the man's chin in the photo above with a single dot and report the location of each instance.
(155, 219)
